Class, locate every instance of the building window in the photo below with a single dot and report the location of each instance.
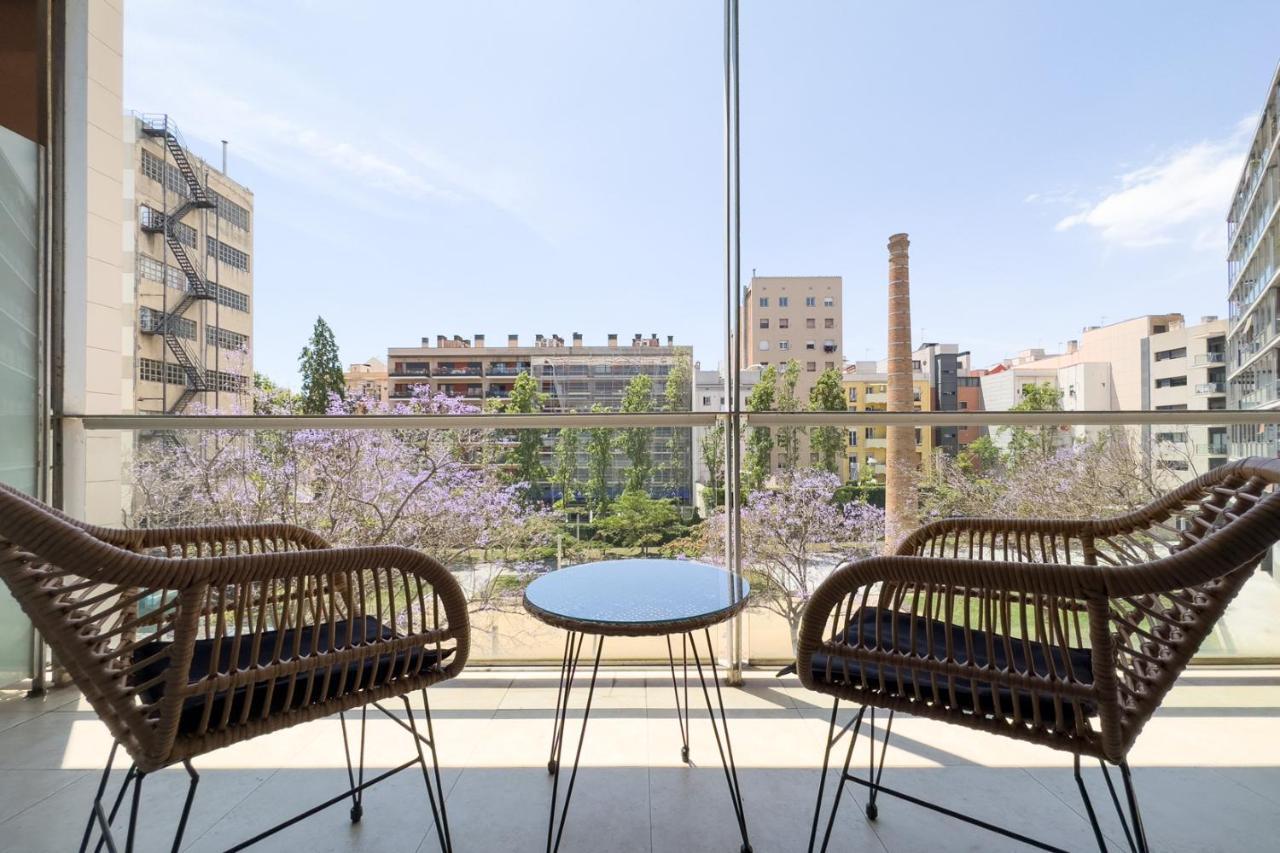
(784, 323)
(782, 301)
(764, 345)
(810, 302)
(1171, 382)
(226, 254)
(764, 322)
(150, 217)
(828, 302)
(764, 302)
(828, 322)
(829, 365)
(1165, 355)
(185, 234)
(917, 436)
(1175, 464)
(810, 345)
(151, 320)
(784, 345)
(230, 212)
(706, 400)
(150, 268)
(853, 395)
(810, 323)
(229, 298)
(1171, 437)
(869, 432)
(811, 366)
(1177, 407)
(226, 339)
(166, 173)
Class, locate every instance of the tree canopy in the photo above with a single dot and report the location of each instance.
(321, 369)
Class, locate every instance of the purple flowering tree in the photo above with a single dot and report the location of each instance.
(421, 489)
(794, 534)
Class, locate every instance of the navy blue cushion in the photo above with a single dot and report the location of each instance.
(284, 645)
(930, 639)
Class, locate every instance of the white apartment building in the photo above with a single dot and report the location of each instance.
(1253, 284)
(1186, 371)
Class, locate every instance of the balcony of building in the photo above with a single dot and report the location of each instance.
(1205, 389)
(1210, 359)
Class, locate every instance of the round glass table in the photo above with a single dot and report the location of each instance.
(639, 598)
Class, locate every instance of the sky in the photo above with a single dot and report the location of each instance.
(557, 167)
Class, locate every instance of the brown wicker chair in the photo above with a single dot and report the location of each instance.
(189, 639)
(1066, 633)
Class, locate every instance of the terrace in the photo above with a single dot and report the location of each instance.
(615, 465)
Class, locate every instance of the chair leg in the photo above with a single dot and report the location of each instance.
(1139, 831)
(1088, 806)
(856, 725)
(357, 784)
(874, 772)
(96, 808)
(439, 815)
(104, 820)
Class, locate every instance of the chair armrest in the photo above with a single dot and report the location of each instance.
(1012, 538)
(209, 535)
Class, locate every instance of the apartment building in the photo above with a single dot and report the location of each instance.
(1253, 285)
(575, 377)
(798, 318)
(866, 388)
(1102, 371)
(953, 387)
(190, 227)
(367, 380)
(1186, 371)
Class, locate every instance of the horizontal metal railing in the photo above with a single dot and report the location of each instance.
(586, 420)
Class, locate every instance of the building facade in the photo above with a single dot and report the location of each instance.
(1186, 371)
(1253, 284)
(794, 318)
(574, 377)
(866, 389)
(192, 248)
(953, 387)
(709, 396)
(367, 380)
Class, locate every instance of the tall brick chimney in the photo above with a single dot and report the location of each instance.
(901, 451)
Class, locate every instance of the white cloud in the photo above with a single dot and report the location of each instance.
(1181, 197)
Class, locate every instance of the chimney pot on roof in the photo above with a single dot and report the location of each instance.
(671, 340)
(577, 339)
(1072, 346)
(479, 340)
(613, 339)
(426, 342)
(439, 340)
(513, 340)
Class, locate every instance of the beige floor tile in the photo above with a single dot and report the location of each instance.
(22, 789)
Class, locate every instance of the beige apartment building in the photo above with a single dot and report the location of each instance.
(1186, 370)
(796, 318)
(191, 228)
(367, 380)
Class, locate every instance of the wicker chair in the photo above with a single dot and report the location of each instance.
(185, 640)
(1066, 633)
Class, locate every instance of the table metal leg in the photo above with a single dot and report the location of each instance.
(567, 665)
(726, 746)
(675, 686)
(556, 832)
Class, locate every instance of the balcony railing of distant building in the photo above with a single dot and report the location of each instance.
(1213, 448)
(441, 371)
(1210, 358)
(1207, 388)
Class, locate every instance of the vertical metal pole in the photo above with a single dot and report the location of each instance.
(732, 333)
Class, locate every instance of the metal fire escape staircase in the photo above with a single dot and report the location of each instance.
(197, 288)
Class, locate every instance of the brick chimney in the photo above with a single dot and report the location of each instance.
(613, 339)
(513, 340)
(479, 340)
(440, 339)
(577, 339)
(901, 451)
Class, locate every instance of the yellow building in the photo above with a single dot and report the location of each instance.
(866, 389)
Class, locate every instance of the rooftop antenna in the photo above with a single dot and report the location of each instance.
(224, 156)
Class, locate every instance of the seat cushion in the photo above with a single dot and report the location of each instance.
(930, 639)
(264, 697)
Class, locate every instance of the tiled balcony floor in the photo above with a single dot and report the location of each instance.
(1208, 771)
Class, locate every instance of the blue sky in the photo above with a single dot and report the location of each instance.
(555, 167)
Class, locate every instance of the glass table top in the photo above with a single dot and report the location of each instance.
(635, 592)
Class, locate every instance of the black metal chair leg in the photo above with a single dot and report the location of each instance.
(844, 775)
(97, 800)
(1139, 831)
(357, 793)
(105, 820)
(1088, 807)
(1115, 800)
(875, 773)
(822, 779)
(186, 806)
(446, 843)
(435, 764)
(133, 812)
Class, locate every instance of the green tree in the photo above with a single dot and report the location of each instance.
(788, 437)
(759, 451)
(678, 397)
(712, 451)
(524, 456)
(640, 521)
(635, 441)
(599, 458)
(827, 395)
(321, 370)
(1043, 441)
(567, 465)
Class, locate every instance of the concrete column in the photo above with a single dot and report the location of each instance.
(900, 463)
